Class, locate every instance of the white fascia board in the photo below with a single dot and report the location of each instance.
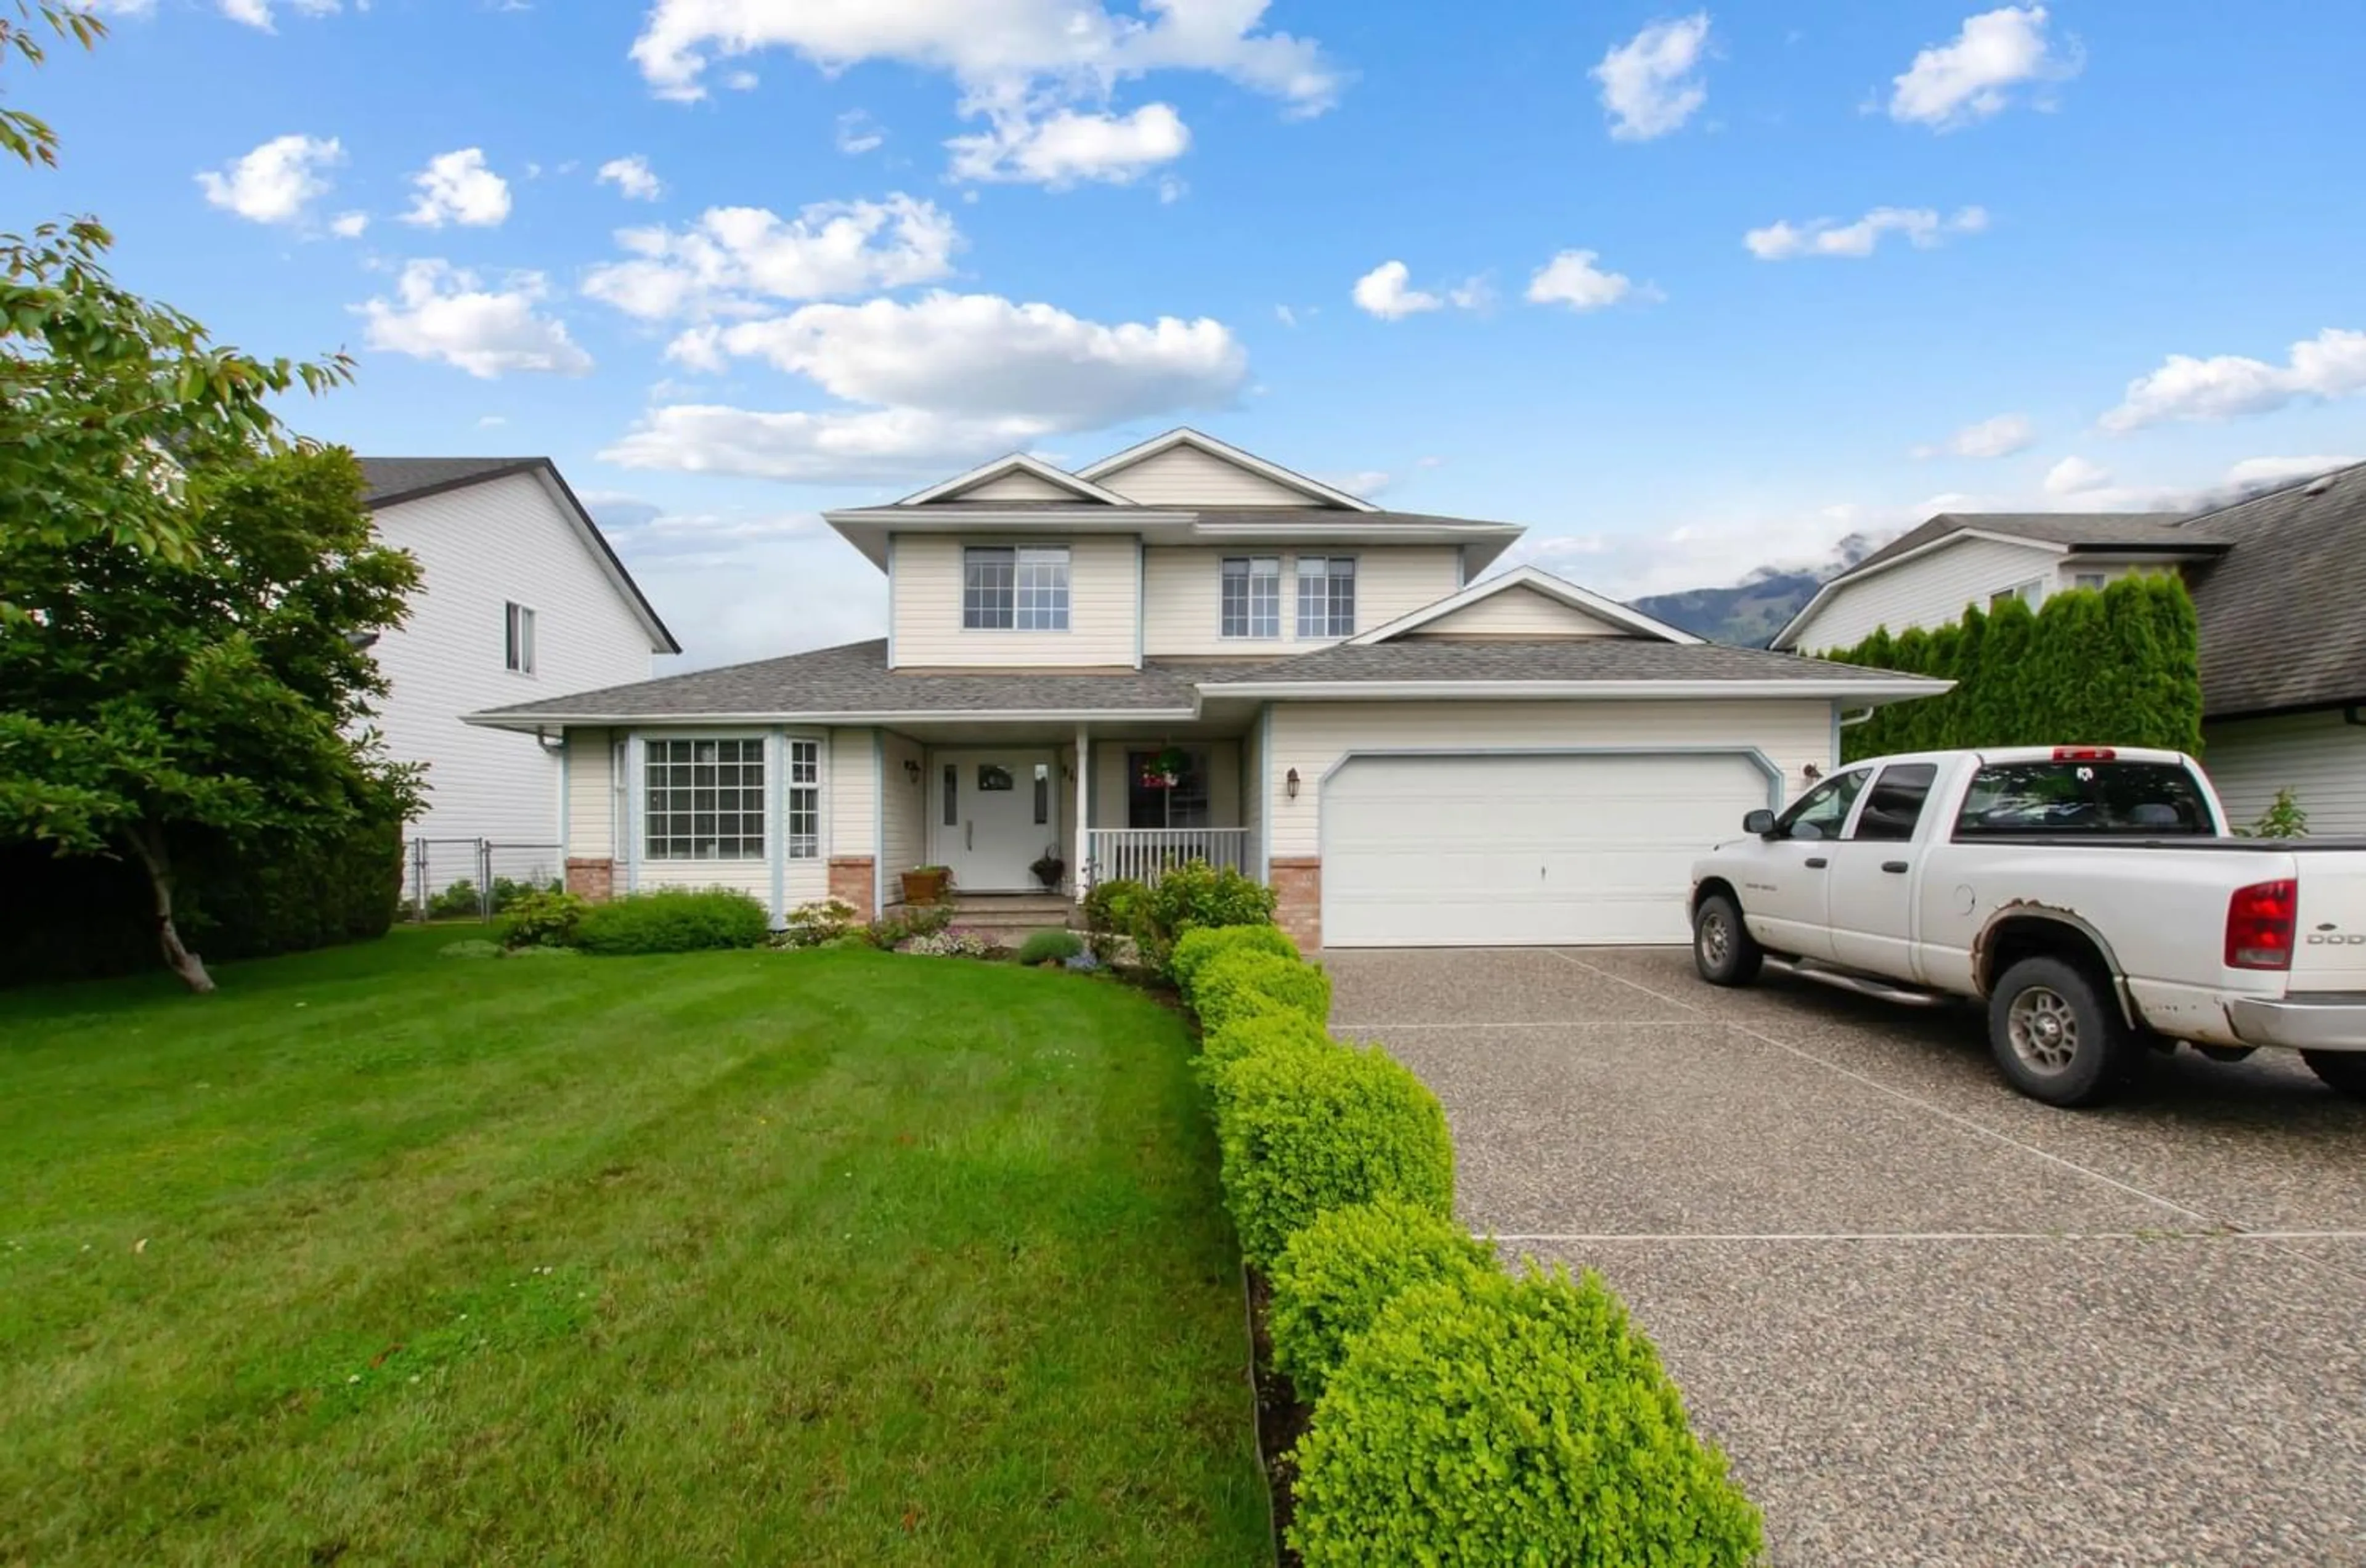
(1558, 589)
(1017, 463)
(1782, 639)
(867, 529)
(1183, 436)
(1599, 690)
(528, 723)
(604, 554)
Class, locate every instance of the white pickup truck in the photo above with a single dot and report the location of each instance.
(2091, 897)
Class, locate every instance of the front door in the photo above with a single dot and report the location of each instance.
(992, 815)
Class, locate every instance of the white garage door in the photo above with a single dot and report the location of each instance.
(1523, 851)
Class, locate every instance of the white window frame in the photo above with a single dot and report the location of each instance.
(657, 751)
(1355, 604)
(517, 637)
(2027, 593)
(801, 769)
(1053, 605)
(1251, 578)
(2092, 580)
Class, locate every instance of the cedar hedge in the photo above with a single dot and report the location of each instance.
(1335, 1276)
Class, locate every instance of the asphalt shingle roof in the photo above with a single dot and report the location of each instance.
(394, 478)
(2083, 530)
(1556, 659)
(2283, 612)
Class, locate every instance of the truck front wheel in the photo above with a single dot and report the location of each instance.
(2343, 1071)
(1723, 949)
(2056, 1035)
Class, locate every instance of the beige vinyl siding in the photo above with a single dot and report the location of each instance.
(591, 795)
(1016, 485)
(1109, 781)
(1929, 591)
(1101, 608)
(851, 799)
(2315, 755)
(904, 821)
(1252, 786)
(1518, 613)
(1185, 476)
(1313, 736)
(1182, 595)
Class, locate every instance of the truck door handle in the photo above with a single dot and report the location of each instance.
(1894, 867)
(1817, 862)
(969, 834)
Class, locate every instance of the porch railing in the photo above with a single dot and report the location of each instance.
(1141, 854)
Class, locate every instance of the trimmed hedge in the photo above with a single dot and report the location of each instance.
(1264, 1025)
(1494, 1420)
(1233, 983)
(1335, 1276)
(1198, 946)
(1190, 896)
(1302, 1131)
(674, 919)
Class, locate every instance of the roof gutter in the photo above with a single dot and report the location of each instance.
(498, 719)
(1603, 691)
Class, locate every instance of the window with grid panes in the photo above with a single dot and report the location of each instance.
(706, 800)
(1252, 596)
(804, 800)
(1327, 596)
(1023, 588)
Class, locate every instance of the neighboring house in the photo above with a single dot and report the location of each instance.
(1186, 650)
(2277, 581)
(518, 595)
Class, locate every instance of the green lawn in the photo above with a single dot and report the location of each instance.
(832, 1257)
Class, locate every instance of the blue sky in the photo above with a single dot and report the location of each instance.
(1685, 290)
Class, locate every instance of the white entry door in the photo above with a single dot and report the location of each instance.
(1524, 851)
(991, 814)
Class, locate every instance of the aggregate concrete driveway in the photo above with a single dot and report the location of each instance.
(1930, 1321)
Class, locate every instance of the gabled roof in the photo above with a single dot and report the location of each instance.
(1536, 580)
(1183, 435)
(1016, 463)
(1608, 667)
(868, 528)
(390, 481)
(2283, 610)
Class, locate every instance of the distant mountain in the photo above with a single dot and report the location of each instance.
(1749, 613)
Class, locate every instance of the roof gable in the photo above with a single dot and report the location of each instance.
(1015, 478)
(1165, 470)
(1580, 604)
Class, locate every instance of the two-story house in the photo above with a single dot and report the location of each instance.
(519, 594)
(1185, 650)
(2277, 582)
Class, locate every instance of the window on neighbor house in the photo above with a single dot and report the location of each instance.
(517, 638)
(1023, 588)
(2088, 580)
(1327, 596)
(2027, 593)
(1252, 596)
(706, 800)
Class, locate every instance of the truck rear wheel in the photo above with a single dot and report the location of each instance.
(1723, 949)
(2343, 1071)
(2056, 1035)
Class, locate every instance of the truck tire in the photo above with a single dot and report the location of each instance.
(1723, 949)
(2056, 1035)
(2344, 1072)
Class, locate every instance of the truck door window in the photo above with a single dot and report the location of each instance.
(1895, 804)
(1820, 813)
(2140, 799)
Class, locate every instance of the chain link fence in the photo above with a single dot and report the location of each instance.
(475, 879)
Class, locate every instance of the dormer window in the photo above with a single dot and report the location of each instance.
(1023, 588)
(1252, 597)
(1327, 596)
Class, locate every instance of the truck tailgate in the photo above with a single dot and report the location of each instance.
(2330, 945)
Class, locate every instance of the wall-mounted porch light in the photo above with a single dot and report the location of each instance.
(1290, 782)
(911, 770)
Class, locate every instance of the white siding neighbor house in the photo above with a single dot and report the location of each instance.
(519, 595)
(1186, 651)
(2277, 581)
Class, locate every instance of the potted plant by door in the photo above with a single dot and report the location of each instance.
(926, 883)
(1048, 869)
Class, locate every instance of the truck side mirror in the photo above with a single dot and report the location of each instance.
(1760, 822)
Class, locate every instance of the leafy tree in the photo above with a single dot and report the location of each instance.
(221, 689)
(28, 136)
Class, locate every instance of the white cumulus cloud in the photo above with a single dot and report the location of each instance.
(349, 225)
(2227, 386)
(858, 133)
(1649, 85)
(278, 181)
(1999, 438)
(1923, 227)
(2074, 476)
(733, 258)
(457, 188)
(1384, 292)
(443, 312)
(1060, 149)
(1972, 75)
(253, 13)
(634, 178)
(1570, 278)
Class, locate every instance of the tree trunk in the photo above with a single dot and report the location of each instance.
(148, 842)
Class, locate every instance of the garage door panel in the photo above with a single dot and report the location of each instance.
(1497, 850)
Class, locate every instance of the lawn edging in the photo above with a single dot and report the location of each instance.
(1417, 1401)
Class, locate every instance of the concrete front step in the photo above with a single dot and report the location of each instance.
(1021, 913)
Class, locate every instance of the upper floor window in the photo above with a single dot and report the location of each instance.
(1252, 596)
(517, 638)
(1014, 589)
(1327, 596)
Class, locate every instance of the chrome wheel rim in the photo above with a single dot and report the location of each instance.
(2042, 1028)
(1715, 939)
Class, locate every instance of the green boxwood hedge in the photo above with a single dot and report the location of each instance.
(1302, 1131)
(1263, 1026)
(1233, 983)
(674, 919)
(1489, 1419)
(1335, 1276)
(1199, 946)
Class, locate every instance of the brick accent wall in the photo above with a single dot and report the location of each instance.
(1298, 899)
(592, 879)
(853, 881)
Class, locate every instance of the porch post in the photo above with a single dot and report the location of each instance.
(1083, 810)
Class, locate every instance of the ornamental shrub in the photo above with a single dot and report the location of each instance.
(1197, 947)
(1193, 895)
(1111, 905)
(1335, 1276)
(815, 924)
(1229, 983)
(542, 919)
(1489, 1419)
(674, 919)
(1265, 1025)
(892, 932)
(1304, 1131)
(1051, 947)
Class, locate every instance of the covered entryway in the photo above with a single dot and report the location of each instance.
(1548, 848)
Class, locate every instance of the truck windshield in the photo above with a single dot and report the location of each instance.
(2143, 799)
